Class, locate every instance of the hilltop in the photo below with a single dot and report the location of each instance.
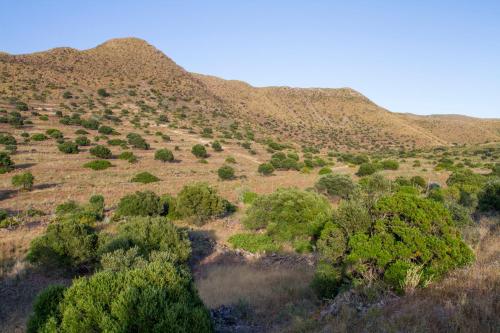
(133, 71)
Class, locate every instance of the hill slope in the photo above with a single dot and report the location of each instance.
(137, 74)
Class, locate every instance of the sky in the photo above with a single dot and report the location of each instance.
(422, 57)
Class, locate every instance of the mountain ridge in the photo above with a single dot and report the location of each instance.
(334, 118)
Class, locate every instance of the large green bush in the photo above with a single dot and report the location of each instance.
(137, 141)
(157, 298)
(336, 186)
(225, 172)
(265, 169)
(366, 169)
(403, 233)
(289, 215)
(145, 178)
(45, 306)
(489, 197)
(145, 203)
(200, 202)
(68, 244)
(389, 164)
(98, 165)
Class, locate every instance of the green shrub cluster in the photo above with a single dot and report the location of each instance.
(164, 155)
(101, 152)
(199, 151)
(24, 181)
(68, 147)
(255, 243)
(145, 203)
(6, 163)
(128, 156)
(98, 165)
(137, 141)
(82, 141)
(336, 186)
(403, 232)
(266, 169)
(280, 161)
(226, 172)
(289, 215)
(145, 178)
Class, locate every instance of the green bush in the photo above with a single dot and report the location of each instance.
(102, 92)
(336, 186)
(106, 130)
(122, 258)
(325, 171)
(403, 231)
(255, 243)
(137, 141)
(24, 181)
(390, 165)
(366, 169)
(145, 178)
(149, 234)
(54, 133)
(489, 197)
(157, 298)
(265, 169)
(216, 146)
(101, 151)
(164, 155)
(68, 244)
(117, 142)
(128, 156)
(68, 147)
(39, 137)
(82, 141)
(199, 151)
(145, 203)
(98, 165)
(45, 306)
(248, 197)
(6, 163)
(200, 202)
(92, 124)
(7, 139)
(226, 172)
(418, 181)
(289, 215)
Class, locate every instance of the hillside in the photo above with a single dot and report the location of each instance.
(137, 75)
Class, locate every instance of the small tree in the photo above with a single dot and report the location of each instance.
(336, 186)
(6, 163)
(226, 172)
(140, 204)
(216, 146)
(199, 151)
(68, 147)
(164, 155)
(266, 169)
(100, 151)
(24, 181)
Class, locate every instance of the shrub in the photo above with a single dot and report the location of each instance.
(199, 151)
(68, 147)
(7, 139)
(24, 181)
(390, 165)
(216, 146)
(68, 243)
(289, 215)
(336, 186)
(45, 306)
(92, 124)
(81, 132)
(157, 298)
(366, 169)
(100, 151)
(141, 204)
(150, 234)
(106, 130)
(137, 141)
(122, 259)
(54, 133)
(164, 155)
(402, 232)
(102, 92)
(265, 169)
(418, 181)
(248, 197)
(225, 172)
(82, 141)
(489, 197)
(255, 243)
(230, 159)
(128, 156)
(98, 165)
(145, 178)
(200, 202)
(325, 171)
(117, 142)
(39, 137)
(6, 163)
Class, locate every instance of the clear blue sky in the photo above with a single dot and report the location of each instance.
(424, 57)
